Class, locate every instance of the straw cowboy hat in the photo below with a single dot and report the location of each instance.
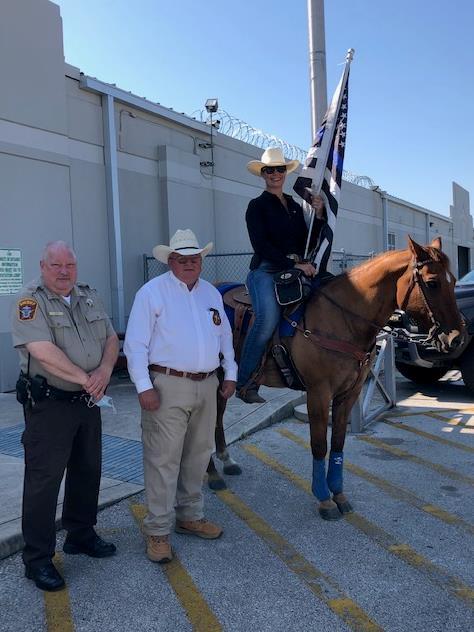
(184, 243)
(272, 157)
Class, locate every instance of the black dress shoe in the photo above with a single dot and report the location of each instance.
(93, 547)
(45, 577)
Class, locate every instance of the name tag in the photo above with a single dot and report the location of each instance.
(56, 313)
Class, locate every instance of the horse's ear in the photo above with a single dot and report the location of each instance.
(436, 243)
(416, 249)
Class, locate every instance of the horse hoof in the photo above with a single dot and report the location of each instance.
(329, 513)
(233, 470)
(216, 484)
(343, 505)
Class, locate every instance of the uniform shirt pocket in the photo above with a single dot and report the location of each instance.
(97, 320)
(61, 330)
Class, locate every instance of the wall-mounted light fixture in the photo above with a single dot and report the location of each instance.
(211, 106)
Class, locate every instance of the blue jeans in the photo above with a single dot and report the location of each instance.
(267, 316)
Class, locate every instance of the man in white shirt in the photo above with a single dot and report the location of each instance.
(176, 331)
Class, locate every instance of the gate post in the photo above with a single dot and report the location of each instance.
(357, 414)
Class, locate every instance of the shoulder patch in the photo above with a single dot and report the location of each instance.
(27, 308)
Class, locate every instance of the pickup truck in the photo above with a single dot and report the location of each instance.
(425, 364)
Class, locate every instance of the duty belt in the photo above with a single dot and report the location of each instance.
(71, 396)
(197, 377)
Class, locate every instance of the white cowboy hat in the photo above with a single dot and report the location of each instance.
(184, 243)
(272, 157)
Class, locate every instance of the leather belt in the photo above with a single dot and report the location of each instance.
(197, 377)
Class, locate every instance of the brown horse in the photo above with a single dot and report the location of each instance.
(334, 344)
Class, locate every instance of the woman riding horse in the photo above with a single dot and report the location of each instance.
(278, 233)
(334, 344)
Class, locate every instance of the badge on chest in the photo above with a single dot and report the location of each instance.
(216, 317)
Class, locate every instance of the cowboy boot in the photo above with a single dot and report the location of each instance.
(250, 395)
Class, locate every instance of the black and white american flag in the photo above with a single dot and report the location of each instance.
(326, 181)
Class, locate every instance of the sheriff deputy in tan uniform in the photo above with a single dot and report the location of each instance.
(67, 349)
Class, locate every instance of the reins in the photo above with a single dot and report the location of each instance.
(362, 356)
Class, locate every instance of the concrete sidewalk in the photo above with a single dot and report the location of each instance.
(122, 471)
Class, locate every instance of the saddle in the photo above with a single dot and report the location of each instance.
(277, 367)
(276, 364)
(238, 307)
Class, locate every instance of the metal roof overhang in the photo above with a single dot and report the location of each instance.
(99, 87)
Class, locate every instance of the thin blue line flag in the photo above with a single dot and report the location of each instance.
(322, 171)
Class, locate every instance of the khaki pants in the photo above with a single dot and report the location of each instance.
(178, 440)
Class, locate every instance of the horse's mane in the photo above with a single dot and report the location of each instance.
(431, 253)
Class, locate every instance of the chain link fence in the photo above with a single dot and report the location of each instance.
(234, 266)
(216, 268)
(341, 260)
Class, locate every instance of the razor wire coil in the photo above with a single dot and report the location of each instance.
(240, 130)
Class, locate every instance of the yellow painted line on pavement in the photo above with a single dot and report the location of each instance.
(57, 606)
(469, 410)
(428, 435)
(395, 413)
(323, 586)
(195, 606)
(448, 420)
(384, 539)
(400, 493)
(440, 469)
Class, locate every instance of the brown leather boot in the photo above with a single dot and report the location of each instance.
(158, 548)
(202, 528)
(250, 395)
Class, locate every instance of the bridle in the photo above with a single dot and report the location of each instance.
(418, 280)
(362, 356)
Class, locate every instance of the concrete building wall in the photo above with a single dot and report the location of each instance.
(54, 175)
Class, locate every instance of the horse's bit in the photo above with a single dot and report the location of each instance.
(400, 334)
(417, 279)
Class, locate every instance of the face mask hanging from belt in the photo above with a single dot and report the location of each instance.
(104, 402)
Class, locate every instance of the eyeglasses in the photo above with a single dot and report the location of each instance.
(280, 169)
(194, 261)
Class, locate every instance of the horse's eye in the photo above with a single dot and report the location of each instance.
(432, 284)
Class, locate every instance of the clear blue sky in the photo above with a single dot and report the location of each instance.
(411, 87)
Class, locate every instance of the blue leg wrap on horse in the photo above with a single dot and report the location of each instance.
(320, 487)
(334, 477)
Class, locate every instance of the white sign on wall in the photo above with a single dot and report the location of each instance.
(11, 271)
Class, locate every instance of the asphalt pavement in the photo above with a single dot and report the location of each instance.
(122, 467)
(402, 561)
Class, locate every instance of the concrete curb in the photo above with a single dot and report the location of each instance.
(11, 540)
(262, 416)
(265, 415)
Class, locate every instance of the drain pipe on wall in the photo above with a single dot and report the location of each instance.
(113, 213)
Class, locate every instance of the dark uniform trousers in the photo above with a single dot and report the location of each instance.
(59, 436)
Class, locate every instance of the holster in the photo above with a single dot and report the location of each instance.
(23, 389)
(38, 388)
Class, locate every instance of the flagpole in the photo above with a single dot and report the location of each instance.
(322, 155)
(317, 63)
